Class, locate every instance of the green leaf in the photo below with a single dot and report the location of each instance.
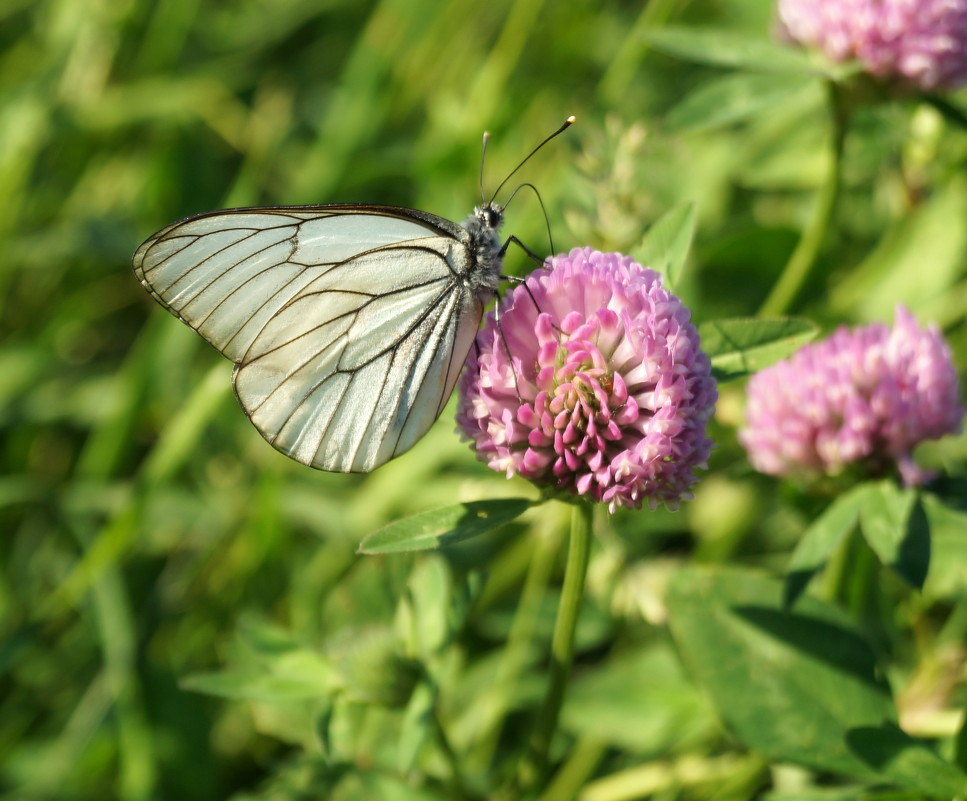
(948, 551)
(424, 617)
(613, 705)
(925, 235)
(445, 526)
(282, 670)
(951, 112)
(790, 684)
(416, 726)
(907, 762)
(262, 687)
(734, 97)
(182, 433)
(960, 746)
(265, 639)
(950, 492)
(822, 538)
(323, 725)
(838, 793)
(944, 506)
(895, 525)
(665, 246)
(733, 50)
(368, 785)
(741, 346)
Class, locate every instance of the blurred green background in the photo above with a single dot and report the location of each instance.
(143, 520)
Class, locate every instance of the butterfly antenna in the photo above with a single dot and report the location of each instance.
(567, 124)
(483, 156)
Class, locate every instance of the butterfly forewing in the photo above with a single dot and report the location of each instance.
(227, 273)
(348, 324)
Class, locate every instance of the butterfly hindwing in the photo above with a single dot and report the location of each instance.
(356, 367)
(348, 324)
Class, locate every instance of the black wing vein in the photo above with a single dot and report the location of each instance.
(392, 348)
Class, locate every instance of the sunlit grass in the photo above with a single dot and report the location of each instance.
(143, 518)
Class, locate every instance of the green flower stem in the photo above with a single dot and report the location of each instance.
(804, 256)
(577, 771)
(534, 766)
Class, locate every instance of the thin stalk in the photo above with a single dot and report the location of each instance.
(519, 643)
(575, 773)
(457, 784)
(533, 768)
(803, 258)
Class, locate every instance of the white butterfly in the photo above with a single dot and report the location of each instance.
(348, 324)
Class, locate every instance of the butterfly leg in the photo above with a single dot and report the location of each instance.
(530, 253)
(517, 279)
(510, 356)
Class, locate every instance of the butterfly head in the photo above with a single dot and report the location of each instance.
(482, 225)
(490, 215)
